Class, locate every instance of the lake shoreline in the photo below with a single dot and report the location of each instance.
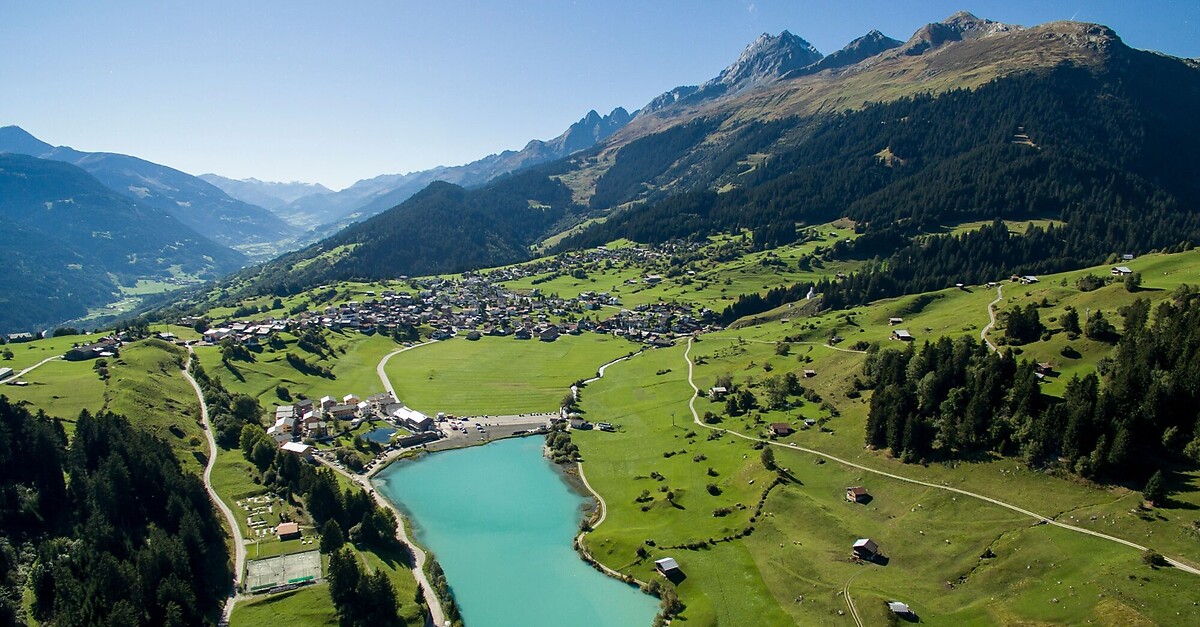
(587, 513)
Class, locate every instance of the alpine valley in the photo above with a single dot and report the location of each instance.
(907, 332)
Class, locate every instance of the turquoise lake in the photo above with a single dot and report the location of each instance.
(500, 520)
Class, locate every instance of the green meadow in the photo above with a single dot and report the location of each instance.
(499, 375)
(60, 388)
(353, 366)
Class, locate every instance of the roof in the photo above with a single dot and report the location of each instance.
(408, 413)
(287, 527)
(1123, 269)
(857, 491)
(666, 563)
(901, 333)
(898, 607)
(866, 543)
(296, 447)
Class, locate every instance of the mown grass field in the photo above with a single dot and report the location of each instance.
(499, 375)
(310, 605)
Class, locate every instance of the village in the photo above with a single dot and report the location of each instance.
(477, 304)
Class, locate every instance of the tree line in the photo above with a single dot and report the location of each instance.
(103, 528)
(954, 399)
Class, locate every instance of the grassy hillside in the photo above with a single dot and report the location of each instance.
(799, 548)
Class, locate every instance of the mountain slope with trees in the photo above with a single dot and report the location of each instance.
(70, 243)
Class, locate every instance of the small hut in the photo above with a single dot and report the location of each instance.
(866, 548)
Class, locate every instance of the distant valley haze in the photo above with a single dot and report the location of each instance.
(320, 94)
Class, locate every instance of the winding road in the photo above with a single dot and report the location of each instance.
(379, 370)
(992, 319)
(239, 543)
(418, 565)
(1040, 518)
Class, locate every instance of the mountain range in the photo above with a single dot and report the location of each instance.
(70, 243)
(269, 195)
(195, 203)
(902, 136)
(326, 213)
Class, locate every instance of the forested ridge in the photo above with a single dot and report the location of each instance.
(953, 399)
(107, 529)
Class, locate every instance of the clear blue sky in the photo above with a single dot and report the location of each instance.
(306, 90)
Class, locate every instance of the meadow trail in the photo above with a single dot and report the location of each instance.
(991, 308)
(1042, 519)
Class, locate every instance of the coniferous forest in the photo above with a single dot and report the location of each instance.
(106, 529)
(954, 399)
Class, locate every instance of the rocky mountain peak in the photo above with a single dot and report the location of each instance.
(766, 58)
(957, 27)
(862, 48)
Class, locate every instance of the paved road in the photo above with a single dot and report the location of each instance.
(239, 543)
(40, 363)
(1043, 519)
(418, 567)
(383, 378)
(992, 319)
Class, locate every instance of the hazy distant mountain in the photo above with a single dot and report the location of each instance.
(196, 203)
(68, 241)
(327, 213)
(266, 194)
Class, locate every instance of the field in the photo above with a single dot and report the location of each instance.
(714, 284)
(799, 549)
(60, 388)
(499, 375)
(309, 605)
(145, 385)
(26, 354)
(353, 369)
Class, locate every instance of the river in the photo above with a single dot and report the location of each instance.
(500, 520)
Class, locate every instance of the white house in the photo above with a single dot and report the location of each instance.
(413, 419)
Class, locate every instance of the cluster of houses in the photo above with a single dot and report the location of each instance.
(308, 419)
(474, 306)
(105, 347)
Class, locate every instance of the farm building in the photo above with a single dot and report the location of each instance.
(667, 566)
(899, 609)
(781, 428)
(857, 494)
(866, 548)
(902, 334)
